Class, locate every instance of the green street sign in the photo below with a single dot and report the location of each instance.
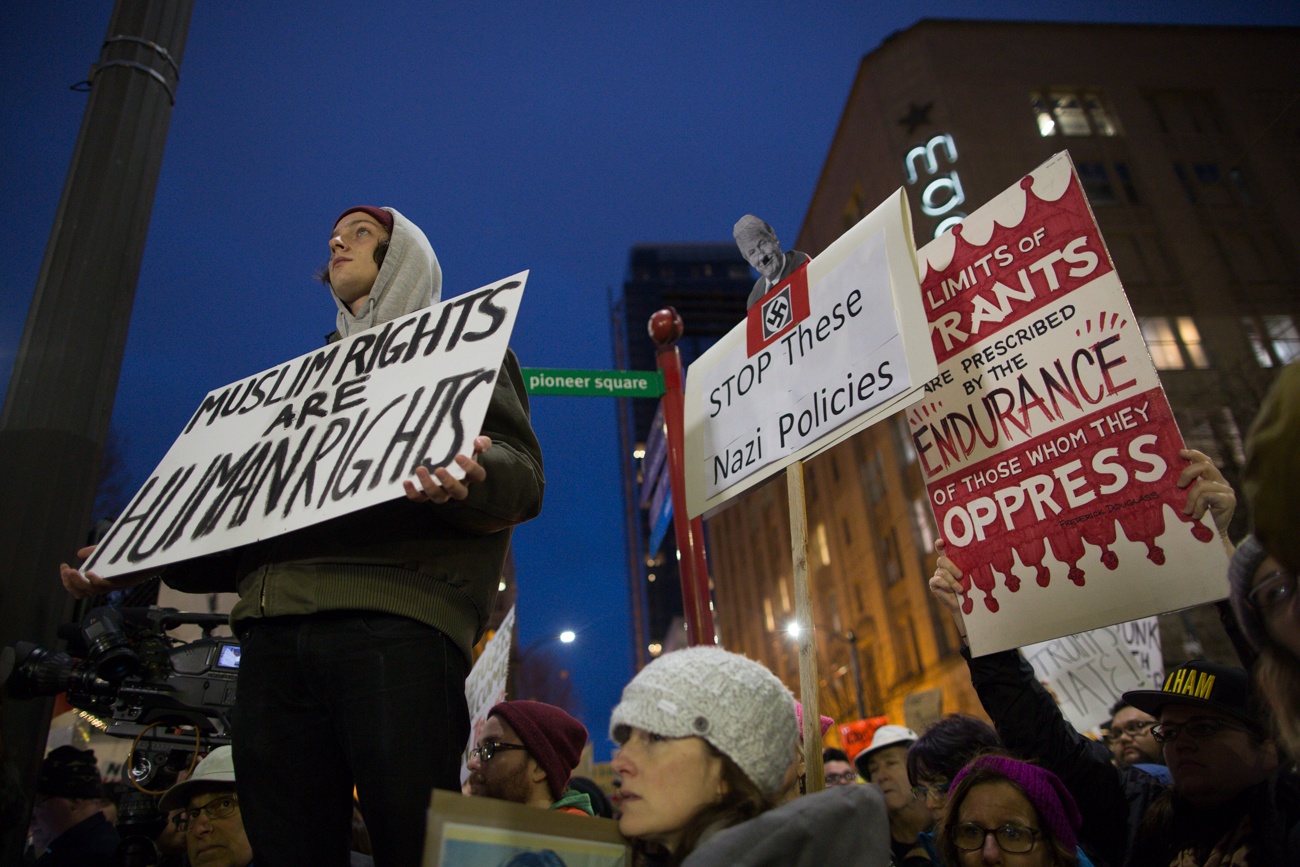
(594, 383)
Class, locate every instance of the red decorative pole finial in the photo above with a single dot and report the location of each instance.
(666, 329)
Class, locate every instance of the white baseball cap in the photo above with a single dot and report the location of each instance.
(216, 771)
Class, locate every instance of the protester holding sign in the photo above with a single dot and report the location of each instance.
(1224, 802)
(357, 631)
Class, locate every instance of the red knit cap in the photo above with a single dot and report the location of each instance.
(384, 218)
(552, 737)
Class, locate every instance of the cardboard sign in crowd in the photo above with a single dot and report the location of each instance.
(1048, 448)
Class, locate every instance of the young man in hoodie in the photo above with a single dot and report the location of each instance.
(357, 632)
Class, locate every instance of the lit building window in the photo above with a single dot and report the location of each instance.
(823, 547)
(1174, 342)
(1102, 123)
(1073, 113)
(1275, 339)
(1191, 340)
(1069, 114)
(1043, 114)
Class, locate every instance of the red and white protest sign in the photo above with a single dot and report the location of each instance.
(1049, 450)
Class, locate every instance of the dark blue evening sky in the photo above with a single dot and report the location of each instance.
(550, 137)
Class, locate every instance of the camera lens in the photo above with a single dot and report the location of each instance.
(109, 648)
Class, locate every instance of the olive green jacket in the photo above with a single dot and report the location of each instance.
(438, 564)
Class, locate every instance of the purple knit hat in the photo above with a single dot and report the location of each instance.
(1054, 803)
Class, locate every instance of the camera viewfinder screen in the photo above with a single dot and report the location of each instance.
(229, 657)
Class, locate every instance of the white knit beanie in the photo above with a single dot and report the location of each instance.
(731, 702)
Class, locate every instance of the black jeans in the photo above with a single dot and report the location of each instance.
(334, 700)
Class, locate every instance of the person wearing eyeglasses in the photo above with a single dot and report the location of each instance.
(837, 769)
(1005, 811)
(1128, 734)
(1215, 734)
(209, 813)
(526, 754)
(1265, 598)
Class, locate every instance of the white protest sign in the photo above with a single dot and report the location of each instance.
(485, 687)
(1048, 448)
(836, 347)
(328, 433)
(1089, 672)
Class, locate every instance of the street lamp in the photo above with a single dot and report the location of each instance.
(793, 630)
(537, 675)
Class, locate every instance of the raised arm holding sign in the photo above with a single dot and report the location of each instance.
(360, 498)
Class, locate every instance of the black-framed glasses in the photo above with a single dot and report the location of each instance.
(842, 779)
(1200, 728)
(938, 791)
(1011, 838)
(1133, 728)
(1273, 589)
(486, 750)
(218, 808)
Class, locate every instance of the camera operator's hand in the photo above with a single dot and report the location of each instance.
(441, 486)
(83, 584)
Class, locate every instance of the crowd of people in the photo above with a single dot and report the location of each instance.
(357, 633)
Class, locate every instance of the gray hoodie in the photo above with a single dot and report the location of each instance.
(409, 280)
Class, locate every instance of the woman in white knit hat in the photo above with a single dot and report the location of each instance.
(706, 738)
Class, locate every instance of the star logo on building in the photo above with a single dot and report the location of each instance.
(917, 116)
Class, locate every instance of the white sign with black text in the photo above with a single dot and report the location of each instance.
(837, 346)
(322, 435)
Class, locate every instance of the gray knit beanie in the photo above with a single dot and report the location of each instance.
(1241, 574)
(733, 703)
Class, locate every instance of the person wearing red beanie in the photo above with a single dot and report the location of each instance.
(526, 753)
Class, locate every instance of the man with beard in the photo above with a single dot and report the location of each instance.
(526, 753)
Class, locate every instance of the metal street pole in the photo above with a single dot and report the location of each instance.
(60, 399)
(666, 329)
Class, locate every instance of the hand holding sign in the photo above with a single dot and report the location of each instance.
(441, 485)
(1209, 490)
(946, 587)
(85, 584)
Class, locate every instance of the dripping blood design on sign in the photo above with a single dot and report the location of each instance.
(1049, 450)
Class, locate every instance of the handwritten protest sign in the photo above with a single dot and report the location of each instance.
(1047, 444)
(1088, 672)
(328, 433)
(834, 348)
(485, 687)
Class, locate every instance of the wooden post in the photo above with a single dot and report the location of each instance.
(814, 775)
